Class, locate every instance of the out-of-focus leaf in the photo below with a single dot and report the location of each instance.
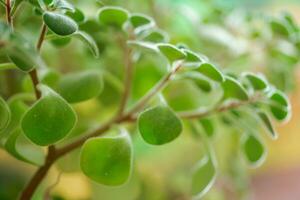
(192, 59)
(49, 119)
(279, 105)
(60, 24)
(155, 36)
(113, 165)
(5, 114)
(199, 80)
(211, 72)
(171, 52)
(267, 124)
(279, 27)
(159, 125)
(114, 16)
(204, 177)
(89, 41)
(233, 89)
(253, 150)
(35, 157)
(77, 87)
(60, 42)
(208, 126)
(76, 15)
(143, 46)
(64, 5)
(257, 82)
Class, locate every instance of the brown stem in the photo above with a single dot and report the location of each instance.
(8, 13)
(42, 37)
(128, 79)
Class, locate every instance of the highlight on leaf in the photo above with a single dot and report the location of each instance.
(113, 165)
(48, 120)
(159, 125)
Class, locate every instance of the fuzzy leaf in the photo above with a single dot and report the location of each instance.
(171, 52)
(233, 89)
(253, 150)
(48, 120)
(77, 87)
(211, 72)
(114, 16)
(107, 160)
(159, 125)
(257, 82)
(204, 177)
(60, 24)
(267, 124)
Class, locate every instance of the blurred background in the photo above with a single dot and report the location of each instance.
(236, 36)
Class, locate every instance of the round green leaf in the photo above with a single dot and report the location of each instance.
(49, 120)
(253, 150)
(192, 58)
(279, 105)
(77, 15)
(257, 82)
(211, 72)
(77, 87)
(155, 36)
(5, 114)
(159, 125)
(199, 80)
(61, 42)
(204, 177)
(139, 20)
(233, 89)
(60, 24)
(114, 16)
(279, 27)
(107, 160)
(171, 52)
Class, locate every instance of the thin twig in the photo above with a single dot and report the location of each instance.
(8, 13)
(47, 195)
(128, 78)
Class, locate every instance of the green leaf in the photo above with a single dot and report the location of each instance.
(233, 89)
(258, 82)
(60, 24)
(33, 156)
(279, 105)
(140, 45)
(114, 16)
(77, 87)
(89, 41)
(64, 5)
(208, 126)
(61, 41)
(253, 149)
(76, 15)
(171, 52)
(49, 119)
(204, 177)
(18, 108)
(107, 160)
(199, 80)
(155, 36)
(159, 125)
(23, 54)
(211, 72)
(141, 22)
(279, 27)
(192, 59)
(5, 114)
(267, 124)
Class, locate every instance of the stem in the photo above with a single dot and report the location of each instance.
(33, 73)
(128, 79)
(8, 13)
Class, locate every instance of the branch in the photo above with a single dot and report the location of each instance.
(128, 78)
(8, 13)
